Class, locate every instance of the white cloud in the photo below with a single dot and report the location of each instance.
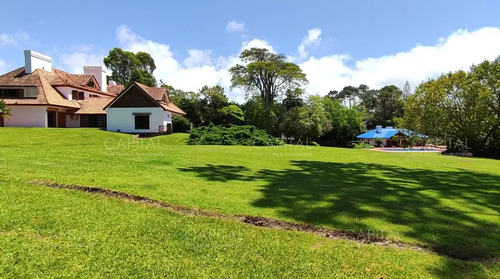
(198, 57)
(13, 39)
(258, 43)
(313, 38)
(81, 55)
(197, 70)
(331, 72)
(458, 51)
(235, 27)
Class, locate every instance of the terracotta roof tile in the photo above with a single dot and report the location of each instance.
(93, 105)
(115, 89)
(158, 93)
(172, 108)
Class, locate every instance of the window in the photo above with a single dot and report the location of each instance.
(91, 84)
(12, 93)
(75, 95)
(93, 120)
(142, 122)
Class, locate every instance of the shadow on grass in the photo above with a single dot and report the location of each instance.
(454, 212)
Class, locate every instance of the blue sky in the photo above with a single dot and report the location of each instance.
(335, 42)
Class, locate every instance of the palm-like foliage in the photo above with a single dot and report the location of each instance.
(4, 110)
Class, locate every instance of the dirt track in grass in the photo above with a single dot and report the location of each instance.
(257, 221)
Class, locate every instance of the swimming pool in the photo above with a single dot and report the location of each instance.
(411, 149)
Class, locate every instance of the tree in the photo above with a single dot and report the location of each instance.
(349, 94)
(390, 105)
(232, 114)
(457, 106)
(292, 98)
(406, 90)
(347, 123)
(267, 74)
(212, 100)
(4, 110)
(128, 67)
(307, 122)
(188, 101)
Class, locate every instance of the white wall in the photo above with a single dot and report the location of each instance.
(73, 123)
(27, 117)
(66, 91)
(123, 119)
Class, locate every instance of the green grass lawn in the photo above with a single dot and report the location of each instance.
(450, 204)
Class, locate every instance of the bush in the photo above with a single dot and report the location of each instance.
(234, 135)
(180, 124)
(362, 145)
(379, 142)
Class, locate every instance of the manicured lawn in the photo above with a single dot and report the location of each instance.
(450, 204)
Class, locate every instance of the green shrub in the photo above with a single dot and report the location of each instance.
(362, 145)
(180, 124)
(379, 142)
(233, 135)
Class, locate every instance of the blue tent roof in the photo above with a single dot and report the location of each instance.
(385, 133)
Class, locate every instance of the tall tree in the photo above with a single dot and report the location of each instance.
(349, 95)
(267, 74)
(406, 90)
(127, 67)
(389, 106)
(213, 100)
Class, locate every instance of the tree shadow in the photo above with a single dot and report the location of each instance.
(456, 213)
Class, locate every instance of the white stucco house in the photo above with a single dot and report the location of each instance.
(41, 96)
(141, 109)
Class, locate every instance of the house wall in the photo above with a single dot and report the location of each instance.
(66, 91)
(73, 121)
(27, 116)
(123, 119)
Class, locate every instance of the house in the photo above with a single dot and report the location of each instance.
(141, 109)
(385, 134)
(41, 96)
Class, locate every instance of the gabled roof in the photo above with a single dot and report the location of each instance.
(386, 133)
(158, 94)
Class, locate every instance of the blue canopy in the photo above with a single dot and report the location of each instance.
(386, 133)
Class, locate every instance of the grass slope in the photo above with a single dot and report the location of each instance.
(63, 233)
(449, 203)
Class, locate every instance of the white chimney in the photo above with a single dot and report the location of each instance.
(99, 74)
(379, 129)
(34, 60)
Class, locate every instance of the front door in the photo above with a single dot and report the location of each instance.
(1, 121)
(51, 119)
(61, 120)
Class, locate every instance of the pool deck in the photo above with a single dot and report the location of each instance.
(423, 149)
